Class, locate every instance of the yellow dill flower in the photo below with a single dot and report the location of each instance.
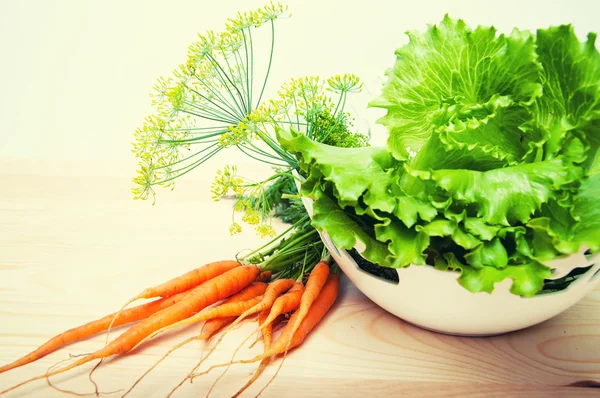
(242, 204)
(264, 230)
(176, 96)
(224, 181)
(272, 11)
(244, 20)
(143, 182)
(230, 41)
(235, 228)
(251, 217)
(344, 83)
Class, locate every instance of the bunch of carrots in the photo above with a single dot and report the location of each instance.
(222, 294)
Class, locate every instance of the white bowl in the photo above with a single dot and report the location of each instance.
(434, 299)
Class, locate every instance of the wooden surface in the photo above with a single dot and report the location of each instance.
(74, 246)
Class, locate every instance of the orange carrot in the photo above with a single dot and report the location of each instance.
(287, 303)
(200, 297)
(188, 280)
(221, 311)
(181, 283)
(267, 331)
(93, 327)
(264, 276)
(310, 318)
(274, 290)
(215, 324)
(316, 281)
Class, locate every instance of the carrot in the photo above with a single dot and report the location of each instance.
(215, 324)
(317, 310)
(188, 280)
(264, 276)
(267, 331)
(274, 290)
(93, 327)
(181, 283)
(200, 297)
(207, 325)
(221, 311)
(316, 281)
(296, 331)
(287, 303)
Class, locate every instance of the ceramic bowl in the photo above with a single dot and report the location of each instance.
(434, 299)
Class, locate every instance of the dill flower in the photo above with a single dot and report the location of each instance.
(272, 11)
(235, 228)
(225, 181)
(344, 83)
(251, 217)
(264, 230)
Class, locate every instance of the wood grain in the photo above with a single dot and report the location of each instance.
(74, 246)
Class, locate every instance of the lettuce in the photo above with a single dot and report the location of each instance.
(491, 167)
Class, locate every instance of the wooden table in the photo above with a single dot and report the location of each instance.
(74, 246)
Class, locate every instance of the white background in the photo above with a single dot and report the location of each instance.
(75, 75)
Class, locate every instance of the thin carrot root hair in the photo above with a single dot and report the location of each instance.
(96, 390)
(179, 345)
(212, 349)
(214, 384)
(209, 329)
(71, 356)
(267, 334)
(96, 393)
(257, 373)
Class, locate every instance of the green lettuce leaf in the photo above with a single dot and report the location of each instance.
(344, 230)
(507, 195)
(353, 171)
(587, 212)
(571, 84)
(456, 78)
(527, 278)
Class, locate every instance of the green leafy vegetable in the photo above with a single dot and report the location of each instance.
(491, 165)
